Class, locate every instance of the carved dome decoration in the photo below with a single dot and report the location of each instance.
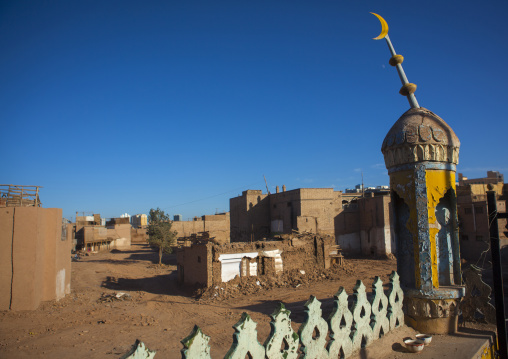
(420, 135)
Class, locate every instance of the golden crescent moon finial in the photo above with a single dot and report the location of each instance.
(384, 27)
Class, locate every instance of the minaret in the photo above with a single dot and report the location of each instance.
(421, 153)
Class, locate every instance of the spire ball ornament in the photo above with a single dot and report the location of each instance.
(407, 88)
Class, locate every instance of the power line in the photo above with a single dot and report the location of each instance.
(215, 195)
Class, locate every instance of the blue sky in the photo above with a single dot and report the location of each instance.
(121, 106)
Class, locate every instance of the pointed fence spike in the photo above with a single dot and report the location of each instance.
(245, 340)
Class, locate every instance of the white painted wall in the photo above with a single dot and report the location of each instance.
(231, 264)
(276, 253)
(60, 284)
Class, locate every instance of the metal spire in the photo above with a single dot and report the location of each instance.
(407, 88)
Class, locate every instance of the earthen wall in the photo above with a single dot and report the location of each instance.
(121, 235)
(297, 254)
(195, 265)
(366, 229)
(285, 207)
(319, 205)
(217, 226)
(35, 257)
(250, 216)
(6, 238)
(139, 235)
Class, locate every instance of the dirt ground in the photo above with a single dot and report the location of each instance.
(89, 324)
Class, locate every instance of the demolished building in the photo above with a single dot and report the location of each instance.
(217, 226)
(208, 264)
(359, 222)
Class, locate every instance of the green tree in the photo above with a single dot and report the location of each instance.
(160, 234)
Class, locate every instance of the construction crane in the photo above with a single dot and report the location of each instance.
(266, 183)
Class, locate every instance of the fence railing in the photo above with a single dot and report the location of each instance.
(19, 196)
(348, 327)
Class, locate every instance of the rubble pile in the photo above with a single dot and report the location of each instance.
(294, 278)
(107, 298)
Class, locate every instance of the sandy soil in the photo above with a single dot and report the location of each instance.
(159, 312)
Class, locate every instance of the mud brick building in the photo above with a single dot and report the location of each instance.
(363, 226)
(91, 235)
(217, 226)
(255, 215)
(359, 222)
(208, 264)
(473, 215)
(35, 260)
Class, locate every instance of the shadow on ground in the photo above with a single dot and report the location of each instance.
(297, 309)
(145, 254)
(159, 284)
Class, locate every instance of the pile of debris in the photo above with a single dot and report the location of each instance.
(240, 286)
(107, 298)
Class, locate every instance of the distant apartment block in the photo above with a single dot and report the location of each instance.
(139, 221)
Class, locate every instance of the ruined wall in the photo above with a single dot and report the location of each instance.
(35, 257)
(195, 264)
(318, 205)
(347, 230)
(186, 228)
(375, 229)
(218, 227)
(284, 210)
(365, 229)
(255, 216)
(305, 253)
(250, 216)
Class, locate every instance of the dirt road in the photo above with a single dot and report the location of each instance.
(159, 312)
